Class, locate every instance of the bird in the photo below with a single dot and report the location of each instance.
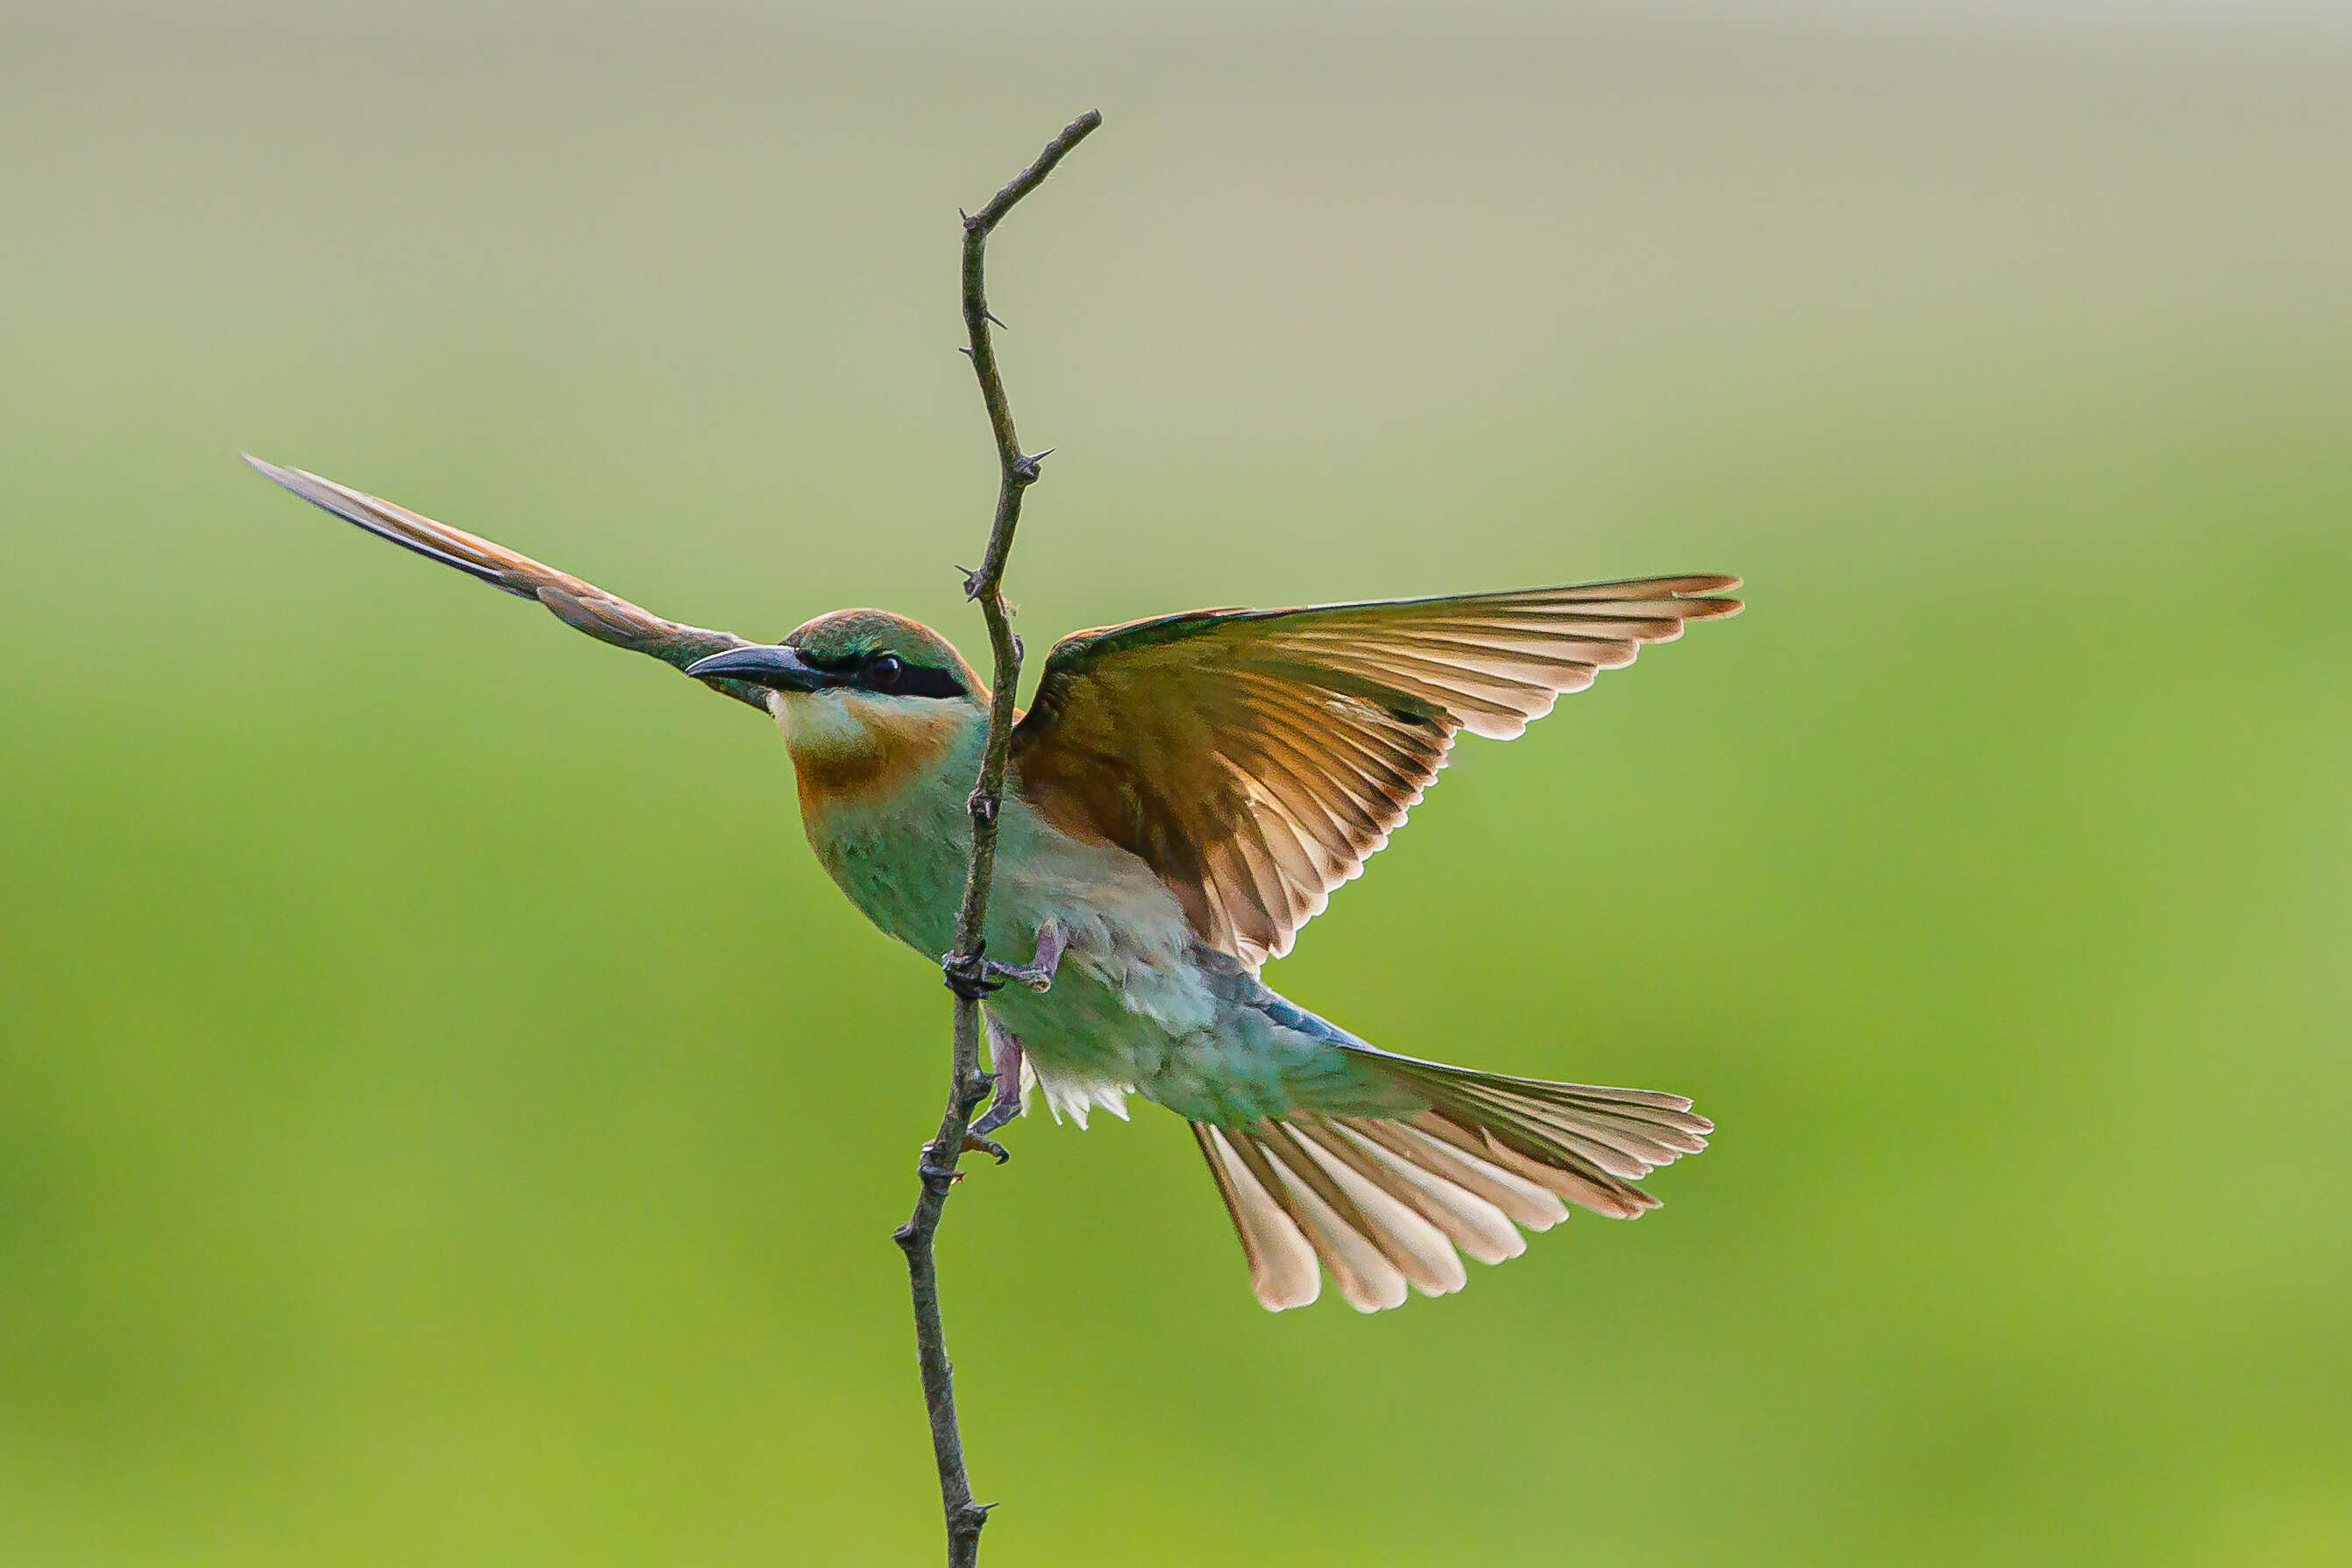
(1183, 794)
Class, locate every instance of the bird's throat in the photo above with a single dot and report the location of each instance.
(856, 752)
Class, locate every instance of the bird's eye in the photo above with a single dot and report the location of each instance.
(884, 669)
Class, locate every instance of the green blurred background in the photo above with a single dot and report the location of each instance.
(446, 1117)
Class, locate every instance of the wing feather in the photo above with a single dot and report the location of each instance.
(1255, 758)
(581, 605)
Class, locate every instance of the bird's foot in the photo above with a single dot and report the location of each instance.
(1036, 978)
(973, 1143)
(975, 1138)
(1037, 975)
(1003, 1110)
(972, 976)
(1004, 1058)
(968, 974)
(1004, 1076)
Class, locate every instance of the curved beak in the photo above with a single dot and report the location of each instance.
(772, 665)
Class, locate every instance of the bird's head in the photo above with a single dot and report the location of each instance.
(864, 698)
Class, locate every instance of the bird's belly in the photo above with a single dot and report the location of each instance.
(1206, 1040)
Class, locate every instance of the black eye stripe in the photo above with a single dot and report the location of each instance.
(917, 681)
(913, 680)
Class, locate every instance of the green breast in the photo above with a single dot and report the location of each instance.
(903, 865)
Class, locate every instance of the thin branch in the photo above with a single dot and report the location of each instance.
(968, 1085)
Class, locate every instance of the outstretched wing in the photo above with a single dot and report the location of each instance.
(1255, 758)
(582, 605)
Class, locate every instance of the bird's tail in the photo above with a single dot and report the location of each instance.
(1385, 1201)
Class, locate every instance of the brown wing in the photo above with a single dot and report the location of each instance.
(1255, 758)
(581, 605)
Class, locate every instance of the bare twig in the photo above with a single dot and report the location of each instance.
(968, 1085)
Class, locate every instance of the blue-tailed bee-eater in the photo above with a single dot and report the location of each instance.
(1184, 795)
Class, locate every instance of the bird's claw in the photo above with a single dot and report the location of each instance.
(968, 974)
(973, 1143)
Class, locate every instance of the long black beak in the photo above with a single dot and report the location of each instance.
(762, 665)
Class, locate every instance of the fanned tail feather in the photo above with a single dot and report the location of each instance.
(1381, 1203)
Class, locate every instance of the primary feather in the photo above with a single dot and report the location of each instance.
(1255, 758)
(583, 606)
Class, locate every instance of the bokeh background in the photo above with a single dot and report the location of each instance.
(446, 1117)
